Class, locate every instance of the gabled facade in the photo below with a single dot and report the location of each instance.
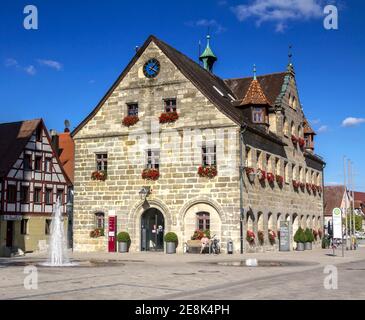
(31, 179)
(166, 107)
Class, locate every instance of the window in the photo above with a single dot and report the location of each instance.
(38, 163)
(24, 194)
(47, 229)
(102, 162)
(286, 126)
(258, 115)
(286, 172)
(60, 195)
(39, 134)
(248, 157)
(153, 159)
(48, 165)
(277, 166)
(132, 109)
(203, 221)
(170, 105)
(99, 220)
(37, 195)
(24, 227)
(49, 193)
(27, 162)
(209, 155)
(12, 193)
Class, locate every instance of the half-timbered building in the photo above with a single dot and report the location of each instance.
(31, 179)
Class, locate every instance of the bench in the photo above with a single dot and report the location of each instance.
(193, 246)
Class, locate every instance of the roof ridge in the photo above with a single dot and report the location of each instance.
(21, 121)
(263, 75)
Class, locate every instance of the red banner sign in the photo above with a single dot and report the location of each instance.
(112, 241)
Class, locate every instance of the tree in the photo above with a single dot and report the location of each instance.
(358, 223)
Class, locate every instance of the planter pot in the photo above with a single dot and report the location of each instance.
(123, 247)
(300, 246)
(308, 246)
(170, 247)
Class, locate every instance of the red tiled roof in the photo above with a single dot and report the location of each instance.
(307, 128)
(255, 95)
(359, 196)
(333, 196)
(67, 154)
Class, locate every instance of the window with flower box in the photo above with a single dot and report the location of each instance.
(209, 155)
(132, 109)
(170, 105)
(153, 159)
(102, 162)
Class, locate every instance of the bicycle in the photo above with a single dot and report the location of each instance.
(215, 246)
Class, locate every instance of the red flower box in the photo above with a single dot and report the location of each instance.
(301, 142)
(99, 175)
(308, 186)
(262, 175)
(250, 237)
(270, 177)
(294, 139)
(169, 117)
(272, 237)
(319, 188)
(129, 121)
(296, 184)
(249, 170)
(207, 172)
(302, 185)
(150, 174)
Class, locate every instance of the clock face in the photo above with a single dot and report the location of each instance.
(151, 68)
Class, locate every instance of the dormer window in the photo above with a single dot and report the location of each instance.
(258, 115)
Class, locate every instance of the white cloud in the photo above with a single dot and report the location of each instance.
(51, 64)
(11, 63)
(279, 12)
(207, 23)
(31, 70)
(322, 129)
(352, 122)
(315, 121)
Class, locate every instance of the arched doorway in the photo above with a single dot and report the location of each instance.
(152, 230)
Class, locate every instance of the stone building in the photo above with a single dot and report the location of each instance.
(164, 148)
(31, 178)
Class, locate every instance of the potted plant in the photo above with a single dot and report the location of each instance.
(272, 237)
(151, 174)
(261, 237)
(262, 175)
(299, 238)
(171, 242)
(97, 233)
(99, 175)
(296, 184)
(270, 177)
(309, 239)
(250, 174)
(124, 241)
(250, 237)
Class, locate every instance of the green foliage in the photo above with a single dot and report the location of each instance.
(124, 237)
(171, 237)
(326, 242)
(299, 236)
(309, 237)
(358, 223)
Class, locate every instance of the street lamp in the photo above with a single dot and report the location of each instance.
(145, 192)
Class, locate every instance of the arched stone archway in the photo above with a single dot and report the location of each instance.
(295, 226)
(260, 227)
(309, 222)
(192, 216)
(135, 220)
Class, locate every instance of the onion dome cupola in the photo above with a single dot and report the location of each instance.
(208, 57)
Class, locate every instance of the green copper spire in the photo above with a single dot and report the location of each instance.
(208, 57)
(254, 72)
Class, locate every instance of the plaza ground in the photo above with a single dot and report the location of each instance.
(300, 275)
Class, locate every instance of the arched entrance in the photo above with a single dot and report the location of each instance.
(152, 230)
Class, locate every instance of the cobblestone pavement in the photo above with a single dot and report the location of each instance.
(293, 275)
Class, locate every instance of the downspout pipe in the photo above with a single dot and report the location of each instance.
(241, 176)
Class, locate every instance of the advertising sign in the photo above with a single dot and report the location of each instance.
(112, 230)
(337, 223)
(284, 236)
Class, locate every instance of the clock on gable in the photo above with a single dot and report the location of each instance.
(151, 68)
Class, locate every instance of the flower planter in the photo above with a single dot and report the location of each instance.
(207, 172)
(150, 174)
(122, 247)
(129, 121)
(168, 117)
(308, 246)
(300, 246)
(170, 247)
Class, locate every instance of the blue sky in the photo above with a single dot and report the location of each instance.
(62, 70)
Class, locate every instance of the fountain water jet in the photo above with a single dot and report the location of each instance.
(58, 256)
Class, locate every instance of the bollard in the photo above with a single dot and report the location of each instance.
(230, 247)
